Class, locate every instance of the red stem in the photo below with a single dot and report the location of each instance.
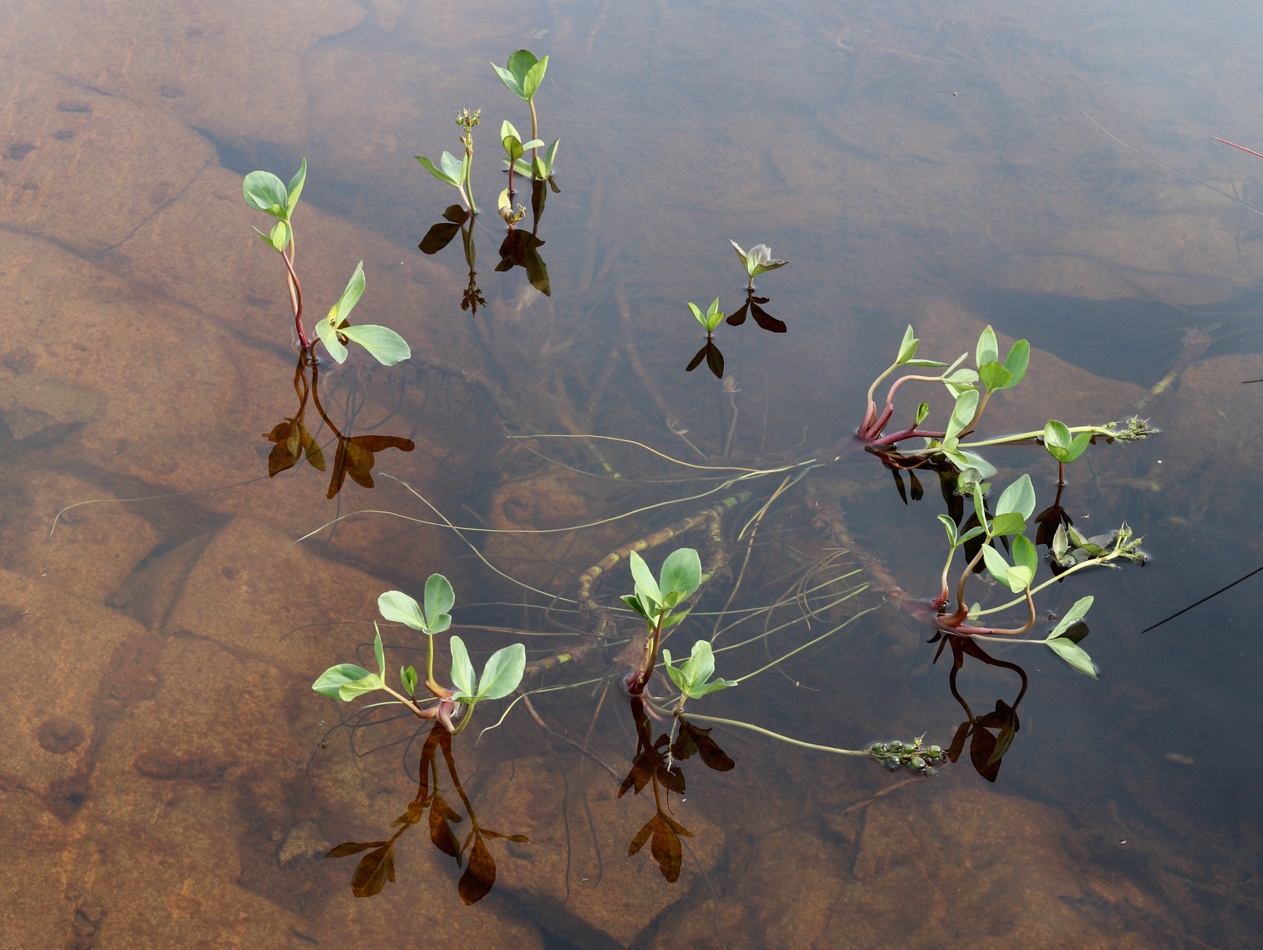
(296, 302)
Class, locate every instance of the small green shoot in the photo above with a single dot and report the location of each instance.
(656, 600)
(711, 318)
(383, 344)
(501, 675)
(693, 676)
(264, 192)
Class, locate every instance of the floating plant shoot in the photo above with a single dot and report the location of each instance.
(264, 192)
(452, 707)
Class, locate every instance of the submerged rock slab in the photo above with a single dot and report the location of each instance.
(82, 167)
(94, 547)
(229, 67)
(575, 874)
(39, 411)
(219, 784)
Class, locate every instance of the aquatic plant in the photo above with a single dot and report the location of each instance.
(655, 602)
(455, 171)
(709, 351)
(757, 260)
(264, 192)
(971, 390)
(522, 76)
(452, 707)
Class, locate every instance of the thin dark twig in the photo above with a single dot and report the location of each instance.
(1204, 599)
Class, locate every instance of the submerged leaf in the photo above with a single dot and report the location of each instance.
(480, 873)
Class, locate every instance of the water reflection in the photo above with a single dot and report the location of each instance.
(377, 868)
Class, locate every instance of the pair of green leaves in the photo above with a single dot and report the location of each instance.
(693, 676)
(1015, 504)
(450, 170)
(1060, 444)
(1064, 639)
(500, 676)
(991, 372)
(383, 344)
(654, 600)
(711, 318)
(346, 680)
(523, 73)
(265, 192)
(503, 670)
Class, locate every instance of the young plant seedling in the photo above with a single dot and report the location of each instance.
(693, 676)
(522, 76)
(501, 675)
(514, 148)
(655, 602)
(455, 171)
(264, 192)
(709, 352)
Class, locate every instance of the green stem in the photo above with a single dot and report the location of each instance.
(1091, 562)
(695, 717)
(534, 134)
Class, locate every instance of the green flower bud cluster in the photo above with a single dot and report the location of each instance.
(914, 756)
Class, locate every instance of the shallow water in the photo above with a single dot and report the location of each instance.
(172, 779)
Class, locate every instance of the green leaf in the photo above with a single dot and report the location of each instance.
(346, 681)
(379, 652)
(451, 171)
(646, 586)
(634, 602)
(994, 376)
(296, 188)
(950, 527)
(681, 572)
(988, 349)
(691, 677)
(549, 157)
(969, 535)
(503, 672)
(518, 74)
(1025, 555)
(1007, 523)
(350, 296)
(408, 676)
(923, 410)
(329, 337)
(265, 192)
(1019, 578)
(980, 466)
(1019, 497)
(908, 347)
(962, 412)
(1060, 444)
(463, 676)
(1073, 654)
(439, 600)
(997, 566)
(383, 344)
(1060, 543)
(978, 491)
(1073, 616)
(960, 381)
(1018, 359)
(534, 76)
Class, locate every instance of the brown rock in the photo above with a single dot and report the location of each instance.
(199, 64)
